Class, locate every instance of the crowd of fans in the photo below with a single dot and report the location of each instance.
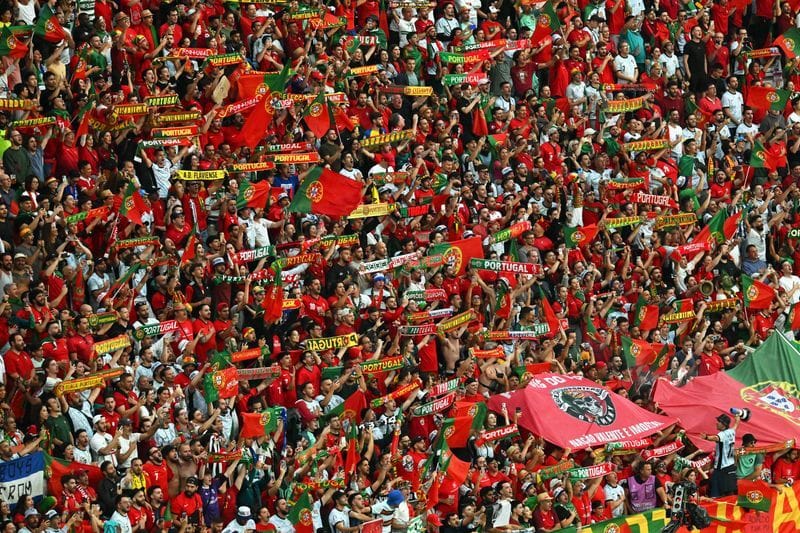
(527, 139)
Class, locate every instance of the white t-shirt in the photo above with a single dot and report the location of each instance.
(337, 516)
(625, 65)
(727, 439)
(670, 64)
(83, 457)
(734, 102)
(125, 444)
(100, 441)
(614, 494)
(123, 521)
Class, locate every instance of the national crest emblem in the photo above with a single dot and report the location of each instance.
(315, 192)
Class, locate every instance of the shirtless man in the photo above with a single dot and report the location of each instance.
(451, 349)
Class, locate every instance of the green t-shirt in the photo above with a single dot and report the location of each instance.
(747, 464)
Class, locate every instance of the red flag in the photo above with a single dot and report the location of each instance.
(459, 252)
(190, 250)
(353, 454)
(326, 192)
(226, 382)
(317, 116)
(457, 470)
(273, 299)
(352, 407)
(767, 98)
(300, 515)
(257, 123)
(549, 315)
(342, 119)
(133, 206)
(61, 467)
(49, 28)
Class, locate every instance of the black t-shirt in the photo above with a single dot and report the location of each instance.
(696, 58)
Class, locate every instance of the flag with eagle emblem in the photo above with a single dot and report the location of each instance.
(300, 515)
(325, 192)
(256, 425)
(580, 235)
(757, 295)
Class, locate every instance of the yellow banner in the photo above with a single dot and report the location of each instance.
(623, 106)
(130, 110)
(16, 103)
(363, 71)
(160, 101)
(311, 157)
(684, 219)
(457, 321)
(251, 167)
(372, 210)
(200, 175)
(87, 382)
(182, 131)
(332, 343)
(394, 137)
(112, 345)
(178, 117)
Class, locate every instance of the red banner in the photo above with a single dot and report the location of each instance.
(574, 412)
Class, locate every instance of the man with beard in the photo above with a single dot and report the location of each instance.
(339, 271)
(122, 518)
(280, 519)
(315, 306)
(107, 490)
(156, 471)
(103, 444)
(38, 313)
(54, 346)
(81, 344)
(140, 513)
(188, 503)
(187, 465)
(19, 366)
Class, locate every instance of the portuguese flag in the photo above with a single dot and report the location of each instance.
(789, 42)
(221, 384)
(645, 315)
(768, 98)
(10, 46)
(755, 495)
(300, 515)
(325, 192)
(256, 425)
(249, 85)
(793, 320)
(317, 116)
(549, 315)
(49, 28)
(443, 460)
(351, 408)
(580, 235)
(273, 296)
(459, 252)
(722, 227)
(637, 352)
(254, 195)
(547, 22)
(761, 157)
(456, 431)
(757, 295)
(665, 352)
(133, 206)
(190, 250)
(56, 468)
